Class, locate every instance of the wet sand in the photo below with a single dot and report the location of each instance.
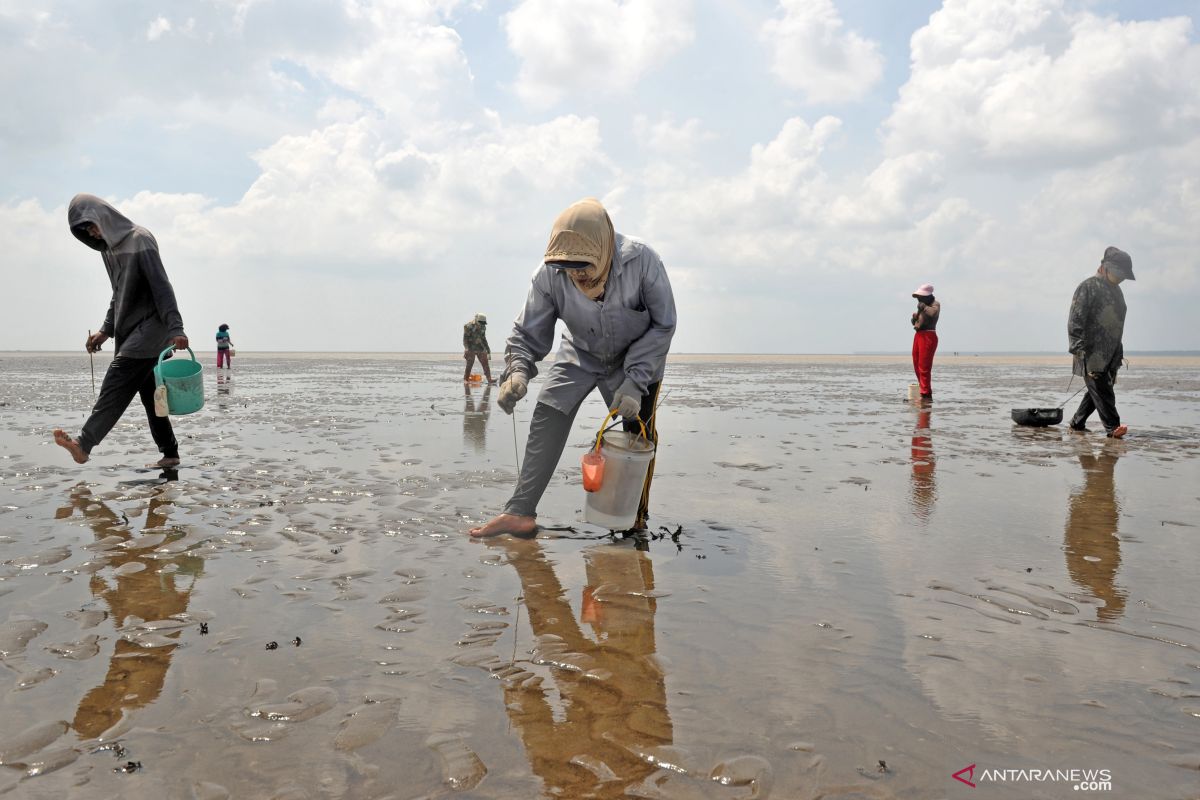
(835, 579)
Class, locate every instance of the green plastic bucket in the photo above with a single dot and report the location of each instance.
(184, 381)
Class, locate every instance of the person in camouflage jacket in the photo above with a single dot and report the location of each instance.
(475, 345)
(1094, 329)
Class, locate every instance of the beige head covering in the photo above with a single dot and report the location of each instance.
(584, 233)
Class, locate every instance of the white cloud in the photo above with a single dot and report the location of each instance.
(893, 191)
(157, 28)
(1147, 203)
(342, 195)
(1030, 83)
(671, 138)
(592, 45)
(400, 56)
(811, 51)
(406, 60)
(747, 218)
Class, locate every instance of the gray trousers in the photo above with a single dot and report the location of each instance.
(125, 378)
(548, 433)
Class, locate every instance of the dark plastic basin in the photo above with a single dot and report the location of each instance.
(1037, 417)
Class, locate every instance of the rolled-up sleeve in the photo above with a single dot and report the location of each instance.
(533, 332)
(647, 356)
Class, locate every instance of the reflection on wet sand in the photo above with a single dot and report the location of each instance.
(136, 592)
(586, 740)
(1091, 544)
(923, 490)
(475, 417)
(224, 384)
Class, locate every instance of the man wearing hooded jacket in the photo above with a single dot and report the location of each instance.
(1094, 329)
(143, 318)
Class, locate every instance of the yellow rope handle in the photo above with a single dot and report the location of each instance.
(604, 427)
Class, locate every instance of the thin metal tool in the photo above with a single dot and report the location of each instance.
(1072, 397)
(92, 358)
(661, 400)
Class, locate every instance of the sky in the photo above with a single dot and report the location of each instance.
(365, 175)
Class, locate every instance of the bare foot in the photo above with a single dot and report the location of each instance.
(165, 463)
(1119, 432)
(506, 523)
(70, 445)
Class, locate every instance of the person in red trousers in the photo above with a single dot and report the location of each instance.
(925, 340)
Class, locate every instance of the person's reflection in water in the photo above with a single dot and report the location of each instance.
(572, 744)
(924, 464)
(1092, 547)
(475, 417)
(135, 674)
(224, 384)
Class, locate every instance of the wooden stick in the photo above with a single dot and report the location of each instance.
(92, 357)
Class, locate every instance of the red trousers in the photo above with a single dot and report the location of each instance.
(924, 346)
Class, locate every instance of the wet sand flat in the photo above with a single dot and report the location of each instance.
(843, 595)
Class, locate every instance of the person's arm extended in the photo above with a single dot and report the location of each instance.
(533, 332)
(645, 356)
(162, 291)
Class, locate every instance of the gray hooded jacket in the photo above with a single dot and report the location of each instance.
(143, 316)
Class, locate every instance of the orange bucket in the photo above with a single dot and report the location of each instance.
(593, 471)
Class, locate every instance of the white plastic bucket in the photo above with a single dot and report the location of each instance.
(914, 391)
(614, 505)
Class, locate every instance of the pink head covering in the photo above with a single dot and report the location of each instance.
(924, 290)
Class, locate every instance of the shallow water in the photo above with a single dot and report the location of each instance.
(835, 579)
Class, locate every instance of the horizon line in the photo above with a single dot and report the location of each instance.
(456, 353)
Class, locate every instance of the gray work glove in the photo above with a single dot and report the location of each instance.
(512, 390)
(628, 400)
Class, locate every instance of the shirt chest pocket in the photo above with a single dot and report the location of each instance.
(628, 325)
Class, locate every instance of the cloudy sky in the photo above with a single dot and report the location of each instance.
(366, 174)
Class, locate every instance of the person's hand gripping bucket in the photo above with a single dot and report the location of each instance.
(593, 460)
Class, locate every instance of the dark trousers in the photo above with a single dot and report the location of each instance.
(126, 377)
(484, 364)
(1101, 398)
(548, 433)
(649, 402)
